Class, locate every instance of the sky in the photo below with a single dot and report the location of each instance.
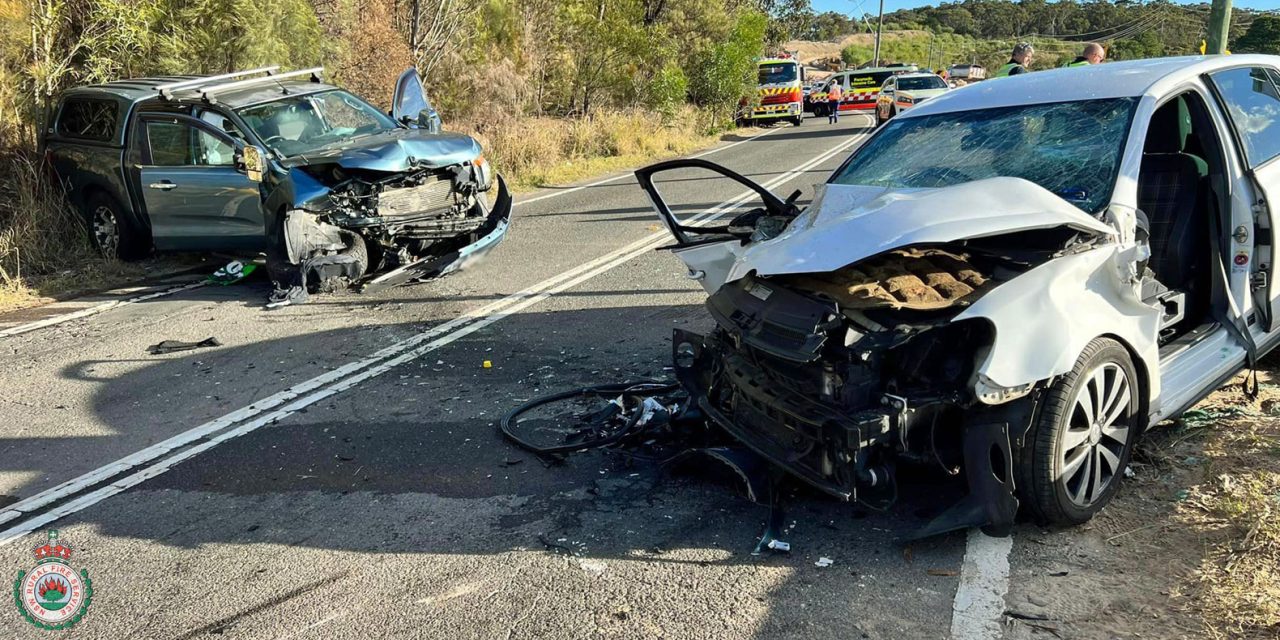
(854, 7)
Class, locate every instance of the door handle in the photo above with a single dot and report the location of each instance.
(163, 185)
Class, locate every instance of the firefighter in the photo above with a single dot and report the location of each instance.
(833, 102)
(1093, 54)
(1018, 61)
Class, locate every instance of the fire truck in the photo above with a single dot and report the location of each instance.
(780, 87)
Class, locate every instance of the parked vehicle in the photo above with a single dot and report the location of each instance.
(860, 88)
(779, 91)
(1077, 257)
(261, 160)
(967, 72)
(902, 92)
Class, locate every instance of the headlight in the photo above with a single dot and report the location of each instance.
(483, 173)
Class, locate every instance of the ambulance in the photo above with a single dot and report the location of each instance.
(780, 87)
(860, 88)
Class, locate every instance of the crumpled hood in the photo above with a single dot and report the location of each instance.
(845, 224)
(390, 151)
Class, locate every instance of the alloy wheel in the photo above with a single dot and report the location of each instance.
(106, 231)
(1096, 434)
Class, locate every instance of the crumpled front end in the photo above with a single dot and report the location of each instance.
(416, 223)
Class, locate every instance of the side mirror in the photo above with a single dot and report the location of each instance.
(252, 161)
(429, 119)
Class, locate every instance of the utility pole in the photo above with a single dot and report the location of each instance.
(879, 29)
(1219, 26)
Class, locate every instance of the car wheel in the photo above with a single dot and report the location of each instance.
(797, 121)
(819, 110)
(360, 251)
(111, 233)
(1079, 445)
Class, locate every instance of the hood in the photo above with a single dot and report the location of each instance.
(845, 224)
(391, 151)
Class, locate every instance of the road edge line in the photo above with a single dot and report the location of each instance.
(979, 606)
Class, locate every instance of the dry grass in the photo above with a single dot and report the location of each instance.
(1234, 509)
(532, 152)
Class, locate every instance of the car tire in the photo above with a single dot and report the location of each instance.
(798, 121)
(819, 110)
(360, 251)
(111, 232)
(1071, 464)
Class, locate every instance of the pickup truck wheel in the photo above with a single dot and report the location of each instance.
(111, 232)
(1079, 446)
(360, 251)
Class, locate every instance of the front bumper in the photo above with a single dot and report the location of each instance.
(783, 110)
(457, 253)
(815, 442)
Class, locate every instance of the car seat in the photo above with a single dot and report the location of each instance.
(1172, 192)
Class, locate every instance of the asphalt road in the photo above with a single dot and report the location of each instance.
(333, 470)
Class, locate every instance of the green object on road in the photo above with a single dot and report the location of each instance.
(234, 272)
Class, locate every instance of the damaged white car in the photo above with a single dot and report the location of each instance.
(1078, 255)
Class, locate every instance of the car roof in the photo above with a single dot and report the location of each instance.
(139, 89)
(917, 74)
(1128, 79)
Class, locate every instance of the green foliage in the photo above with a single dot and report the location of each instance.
(726, 71)
(1263, 36)
(667, 90)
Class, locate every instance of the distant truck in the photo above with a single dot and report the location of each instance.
(780, 87)
(967, 72)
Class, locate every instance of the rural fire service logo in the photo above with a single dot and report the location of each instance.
(52, 595)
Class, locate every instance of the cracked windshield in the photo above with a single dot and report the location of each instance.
(1070, 148)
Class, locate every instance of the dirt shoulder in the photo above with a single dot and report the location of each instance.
(1189, 549)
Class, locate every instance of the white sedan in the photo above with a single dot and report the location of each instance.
(905, 91)
(1081, 254)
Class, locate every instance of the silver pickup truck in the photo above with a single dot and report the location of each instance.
(268, 161)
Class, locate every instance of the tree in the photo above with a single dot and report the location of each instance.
(725, 72)
(1263, 36)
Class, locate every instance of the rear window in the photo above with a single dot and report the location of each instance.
(88, 119)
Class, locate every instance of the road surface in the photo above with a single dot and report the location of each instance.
(333, 470)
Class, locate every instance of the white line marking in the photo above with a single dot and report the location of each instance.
(979, 606)
(95, 310)
(347, 376)
(629, 174)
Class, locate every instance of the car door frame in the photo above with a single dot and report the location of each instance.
(891, 92)
(140, 145)
(1264, 211)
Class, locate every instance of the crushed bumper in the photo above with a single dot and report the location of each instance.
(467, 250)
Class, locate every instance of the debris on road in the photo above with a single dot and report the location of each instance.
(233, 272)
(943, 573)
(824, 562)
(174, 346)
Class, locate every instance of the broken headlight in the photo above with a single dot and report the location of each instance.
(483, 173)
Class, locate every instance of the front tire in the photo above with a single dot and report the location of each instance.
(1079, 445)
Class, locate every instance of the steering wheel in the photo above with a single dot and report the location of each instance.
(271, 140)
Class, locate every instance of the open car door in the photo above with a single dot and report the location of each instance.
(1250, 96)
(707, 244)
(410, 104)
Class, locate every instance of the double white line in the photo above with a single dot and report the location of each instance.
(145, 464)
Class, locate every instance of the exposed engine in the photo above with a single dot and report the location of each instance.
(840, 376)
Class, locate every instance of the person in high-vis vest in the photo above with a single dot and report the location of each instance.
(833, 102)
(1093, 54)
(1018, 61)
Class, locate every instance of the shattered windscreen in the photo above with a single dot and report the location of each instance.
(1070, 148)
(298, 124)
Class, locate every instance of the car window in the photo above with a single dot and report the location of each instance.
(1070, 148)
(88, 119)
(298, 124)
(1254, 104)
(921, 83)
(177, 144)
(219, 121)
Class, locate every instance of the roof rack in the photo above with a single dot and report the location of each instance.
(209, 93)
(166, 90)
